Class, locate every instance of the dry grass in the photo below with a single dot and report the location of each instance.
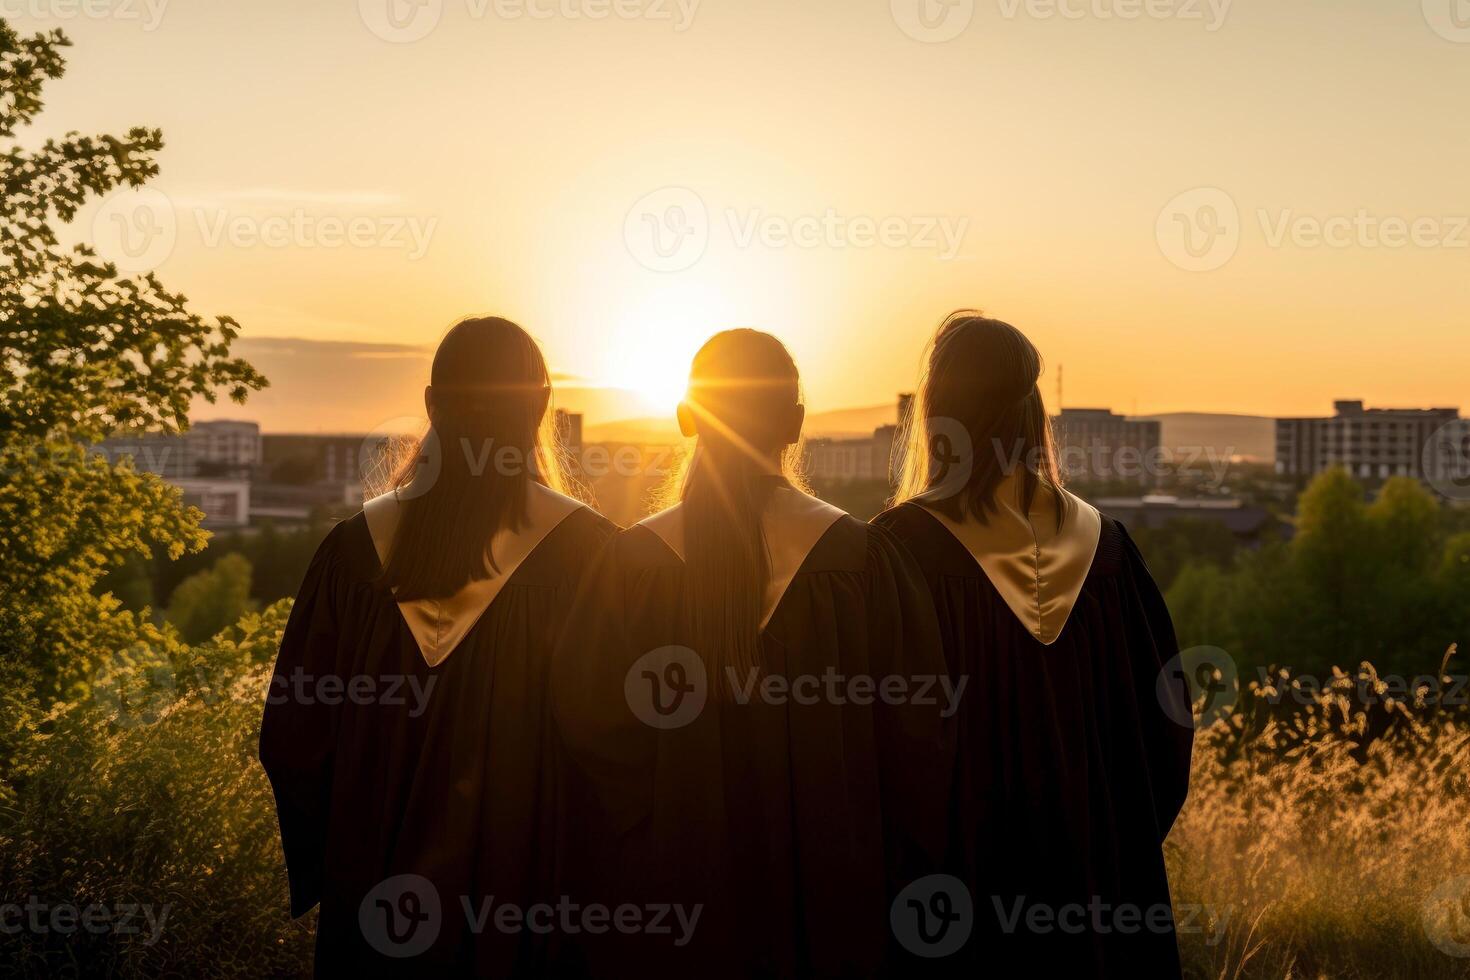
(1320, 834)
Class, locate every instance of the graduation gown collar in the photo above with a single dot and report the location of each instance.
(1038, 570)
(792, 524)
(438, 625)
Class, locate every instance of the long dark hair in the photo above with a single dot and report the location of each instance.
(489, 437)
(744, 402)
(977, 417)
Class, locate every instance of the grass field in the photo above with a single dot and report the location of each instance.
(1333, 838)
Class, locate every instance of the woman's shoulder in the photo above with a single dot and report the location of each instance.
(568, 549)
(1113, 548)
(585, 530)
(907, 522)
(848, 545)
(930, 543)
(654, 543)
(348, 546)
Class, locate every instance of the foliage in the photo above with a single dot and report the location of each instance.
(278, 559)
(123, 772)
(1183, 541)
(1381, 582)
(209, 601)
(150, 793)
(82, 349)
(82, 352)
(66, 517)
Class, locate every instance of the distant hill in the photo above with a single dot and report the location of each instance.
(652, 431)
(839, 423)
(1249, 436)
(850, 421)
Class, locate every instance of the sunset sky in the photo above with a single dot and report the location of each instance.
(833, 171)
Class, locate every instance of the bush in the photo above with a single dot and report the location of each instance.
(149, 793)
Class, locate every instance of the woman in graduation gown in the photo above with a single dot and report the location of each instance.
(406, 727)
(1071, 759)
(716, 693)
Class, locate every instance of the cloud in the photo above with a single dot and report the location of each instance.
(278, 196)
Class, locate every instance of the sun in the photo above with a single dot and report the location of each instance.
(656, 344)
(660, 391)
(655, 373)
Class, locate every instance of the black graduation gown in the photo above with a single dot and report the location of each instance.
(454, 787)
(791, 825)
(1069, 772)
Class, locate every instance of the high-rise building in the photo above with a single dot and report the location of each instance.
(1097, 444)
(1371, 443)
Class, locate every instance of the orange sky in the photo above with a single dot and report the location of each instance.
(835, 172)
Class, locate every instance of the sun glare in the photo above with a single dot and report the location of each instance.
(662, 393)
(659, 341)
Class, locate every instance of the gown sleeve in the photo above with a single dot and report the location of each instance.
(1168, 744)
(298, 734)
(914, 735)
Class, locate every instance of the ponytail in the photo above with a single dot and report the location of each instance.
(743, 396)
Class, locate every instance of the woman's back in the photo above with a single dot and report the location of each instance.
(789, 800)
(750, 693)
(393, 756)
(1069, 769)
(406, 733)
(1072, 743)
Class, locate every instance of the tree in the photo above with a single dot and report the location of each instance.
(1332, 558)
(1407, 547)
(126, 759)
(83, 351)
(1183, 541)
(1201, 604)
(206, 603)
(1453, 579)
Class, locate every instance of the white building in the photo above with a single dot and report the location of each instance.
(207, 449)
(225, 503)
(1371, 443)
